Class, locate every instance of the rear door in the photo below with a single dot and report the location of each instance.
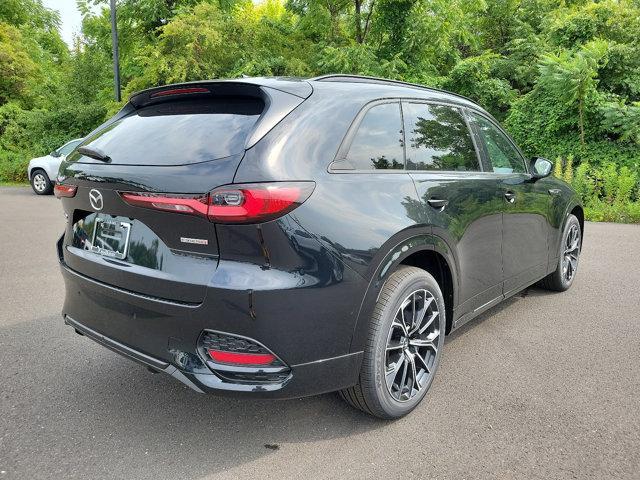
(458, 198)
(369, 175)
(525, 223)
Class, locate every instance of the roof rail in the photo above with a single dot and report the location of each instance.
(339, 77)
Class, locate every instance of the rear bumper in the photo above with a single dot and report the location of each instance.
(163, 334)
(312, 378)
(130, 353)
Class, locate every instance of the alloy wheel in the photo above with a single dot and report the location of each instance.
(39, 182)
(571, 253)
(412, 346)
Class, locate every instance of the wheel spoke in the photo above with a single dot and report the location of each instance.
(422, 315)
(572, 236)
(573, 239)
(393, 373)
(399, 325)
(416, 384)
(402, 383)
(568, 268)
(572, 248)
(424, 363)
(402, 319)
(414, 313)
(429, 322)
(396, 346)
(420, 343)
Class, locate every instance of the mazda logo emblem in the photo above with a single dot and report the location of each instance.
(95, 198)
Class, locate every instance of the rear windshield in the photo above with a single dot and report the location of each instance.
(179, 132)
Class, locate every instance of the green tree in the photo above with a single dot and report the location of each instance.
(474, 77)
(572, 76)
(17, 67)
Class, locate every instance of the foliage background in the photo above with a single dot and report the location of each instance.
(563, 76)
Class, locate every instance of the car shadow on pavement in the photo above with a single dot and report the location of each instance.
(531, 291)
(100, 415)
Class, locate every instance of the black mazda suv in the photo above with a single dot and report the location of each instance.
(286, 237)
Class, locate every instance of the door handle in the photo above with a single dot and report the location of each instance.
(510, 196)
(438, 203)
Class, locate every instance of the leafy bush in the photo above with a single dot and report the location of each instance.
(25, 134)
(609, 193)
(13, 167)
(603, 212)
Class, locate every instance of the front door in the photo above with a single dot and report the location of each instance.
(526, 205)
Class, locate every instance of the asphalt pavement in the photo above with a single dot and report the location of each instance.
(545, 385)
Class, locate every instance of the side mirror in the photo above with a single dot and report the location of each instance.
(540, 168)
(55, 154)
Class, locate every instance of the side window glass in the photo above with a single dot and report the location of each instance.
(66, 150)
(438, 138)
(503, 156)
(378, 142)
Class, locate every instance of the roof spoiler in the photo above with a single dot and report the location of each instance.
(243, 87)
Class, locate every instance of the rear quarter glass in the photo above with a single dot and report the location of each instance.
(178, 132)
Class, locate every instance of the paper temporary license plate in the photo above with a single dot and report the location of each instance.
(111, 238)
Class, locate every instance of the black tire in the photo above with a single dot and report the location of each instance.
(559, 280)
(372, 394)
(40, 182)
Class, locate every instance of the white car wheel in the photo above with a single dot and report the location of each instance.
(40, 182)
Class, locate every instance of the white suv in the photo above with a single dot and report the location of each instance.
(42, 170)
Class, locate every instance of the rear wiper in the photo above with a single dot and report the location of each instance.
(94, 153)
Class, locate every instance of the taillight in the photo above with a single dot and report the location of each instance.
(258, 202)
(191, 204)
(61, 190)
(240, 203)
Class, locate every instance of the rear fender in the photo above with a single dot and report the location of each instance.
(409, 243)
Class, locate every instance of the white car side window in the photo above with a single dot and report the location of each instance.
(66, 150)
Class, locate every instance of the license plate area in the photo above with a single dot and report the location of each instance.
(111, 238)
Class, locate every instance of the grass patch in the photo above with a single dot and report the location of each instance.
(14, 184)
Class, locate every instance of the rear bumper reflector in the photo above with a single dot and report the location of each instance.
(242, 358)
